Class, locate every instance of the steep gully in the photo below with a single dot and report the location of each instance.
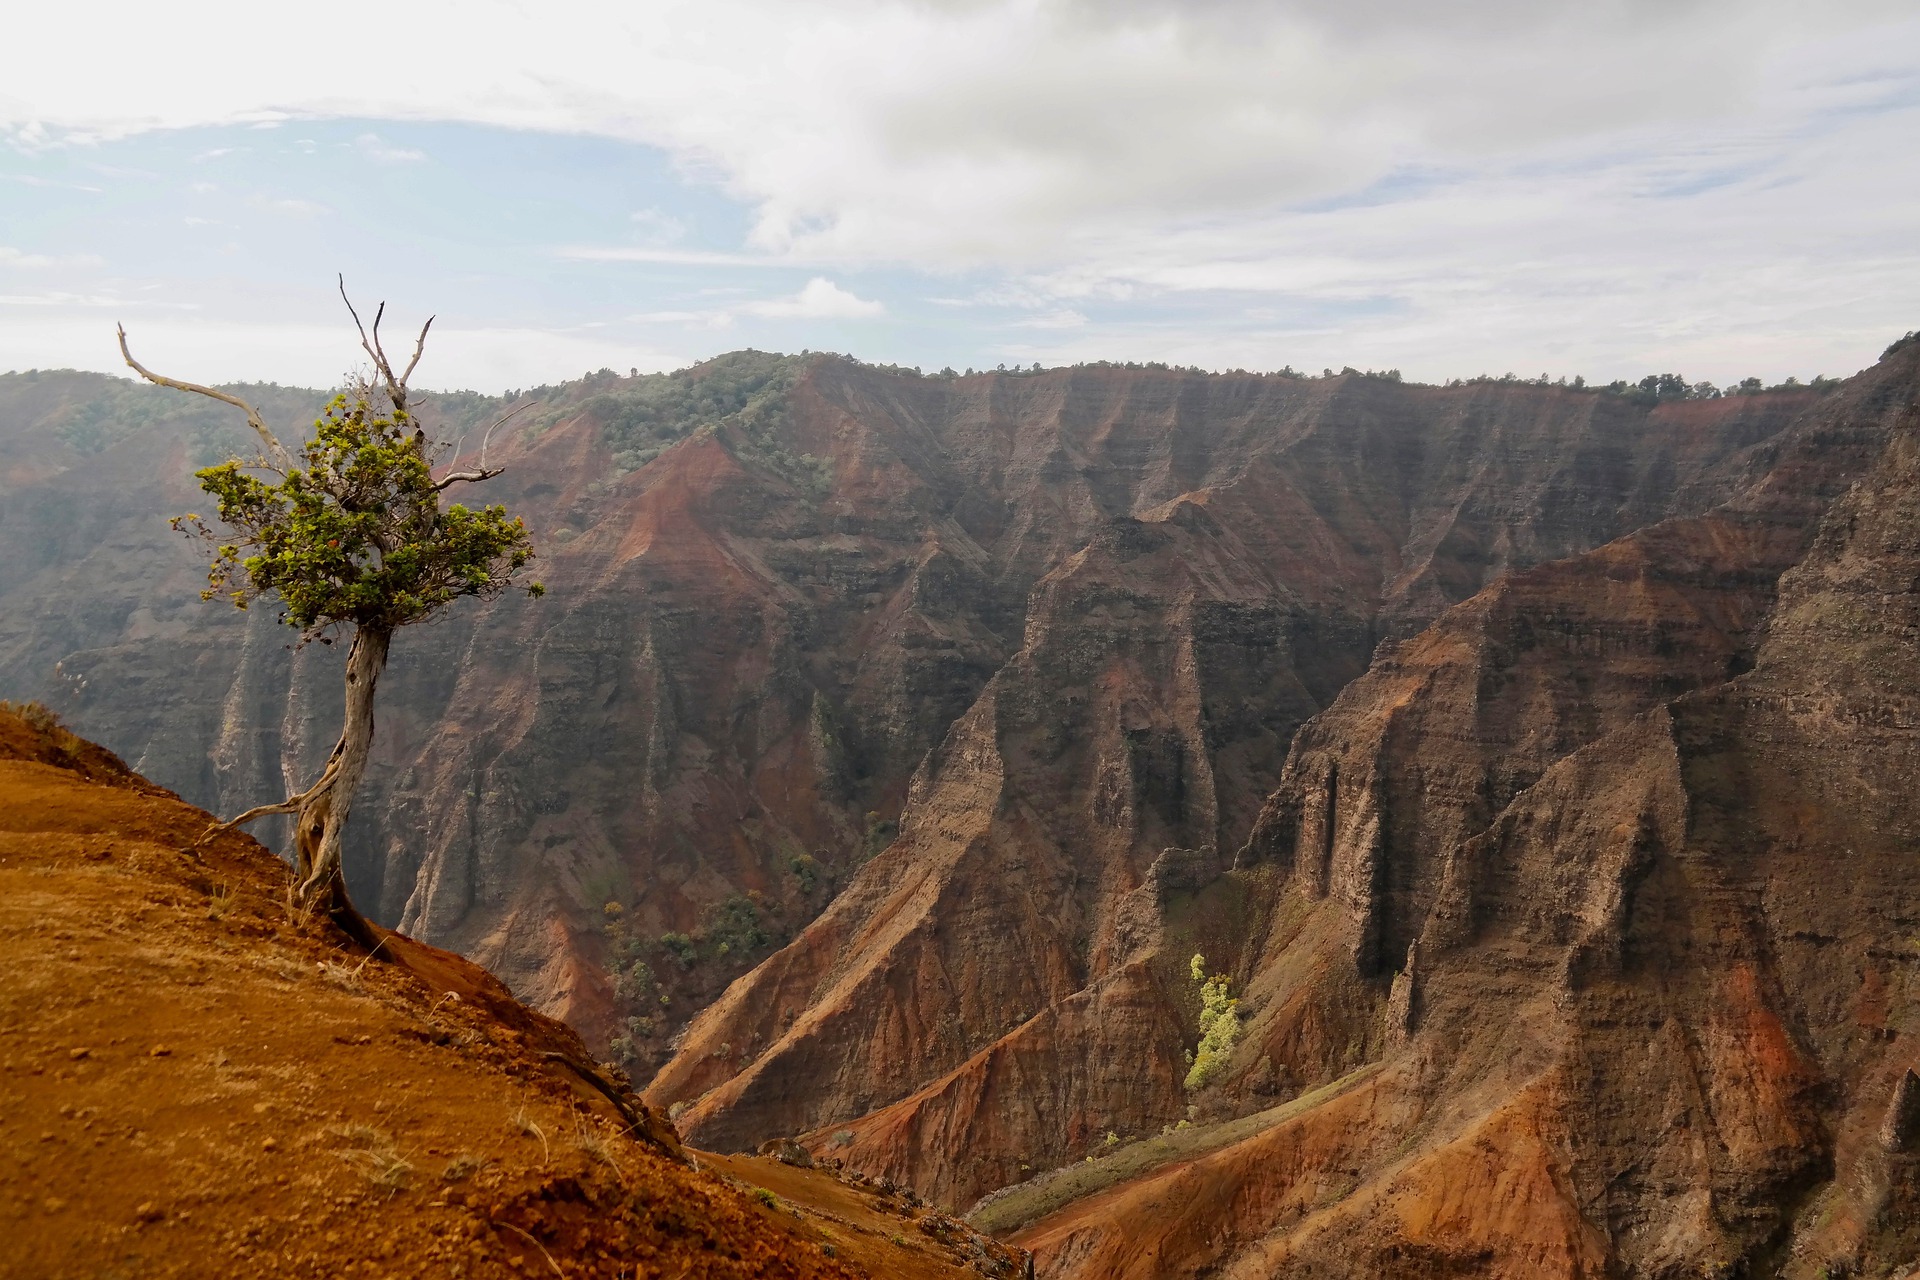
(1069, 627)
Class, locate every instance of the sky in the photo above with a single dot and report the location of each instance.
(1719, 188)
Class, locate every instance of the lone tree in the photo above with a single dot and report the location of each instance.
(350, 535)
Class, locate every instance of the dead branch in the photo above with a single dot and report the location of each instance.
(468, 477)
(535, 1243)
(254, 420)
(290, 805)
(482, 472)
(396, 386)
(635, 1124)
(419, 346)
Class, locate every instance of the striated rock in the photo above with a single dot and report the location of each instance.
(1902, 1125)
(1006, 984)
(1434, 717)
(759, 624)
(1662, 960)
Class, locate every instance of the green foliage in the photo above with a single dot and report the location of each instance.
(1662, 388)
(734, 926)
(644, 416)
(93, 414)
(880, 833)
(357, 534)
(1219, 1025)
(682, 947)
(806, 869)
(636, 994)
(633, 983)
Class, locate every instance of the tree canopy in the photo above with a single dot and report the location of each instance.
(356, 535)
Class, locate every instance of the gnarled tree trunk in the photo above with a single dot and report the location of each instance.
(320, 820)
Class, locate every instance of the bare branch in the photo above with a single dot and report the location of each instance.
(483, 472)
(499, 422)
(364, 344)
(535, 1243)
(458, 445)
(419, 346)
(254, 420)
(290, 804)
(396, 387)
(470, 477)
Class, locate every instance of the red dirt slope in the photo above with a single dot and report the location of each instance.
(191, 1085)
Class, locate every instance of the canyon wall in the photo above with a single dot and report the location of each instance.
(959, 714)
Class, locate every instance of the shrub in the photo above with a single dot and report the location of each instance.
(682, 947)
(1219, 1025)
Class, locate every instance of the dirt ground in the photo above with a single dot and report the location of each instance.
(194, 1084)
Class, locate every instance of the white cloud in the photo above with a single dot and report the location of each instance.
(988, 131)
(289, 206)
(19, 258)
(819, 299)
(67, 300)
(35, 180)
(669, 257)
(657, 227)
(373, 148)
(1394, 182)
(1065, 318)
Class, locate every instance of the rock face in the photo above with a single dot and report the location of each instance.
(1004, 696)
(1595, 892)
(757, 629)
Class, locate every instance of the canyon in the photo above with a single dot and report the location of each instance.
(1532, 762)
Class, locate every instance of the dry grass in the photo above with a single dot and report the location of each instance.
(524, 1125)
(374, 1153)
(45, 723)
(594, 1144)
(462, 1167)
(344, 976)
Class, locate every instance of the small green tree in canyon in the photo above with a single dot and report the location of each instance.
(1219, 1025)
(350, 534)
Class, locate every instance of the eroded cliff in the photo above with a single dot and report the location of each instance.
(1564, 905)
(995, 699)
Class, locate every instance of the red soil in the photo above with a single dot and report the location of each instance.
(192, 1084)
